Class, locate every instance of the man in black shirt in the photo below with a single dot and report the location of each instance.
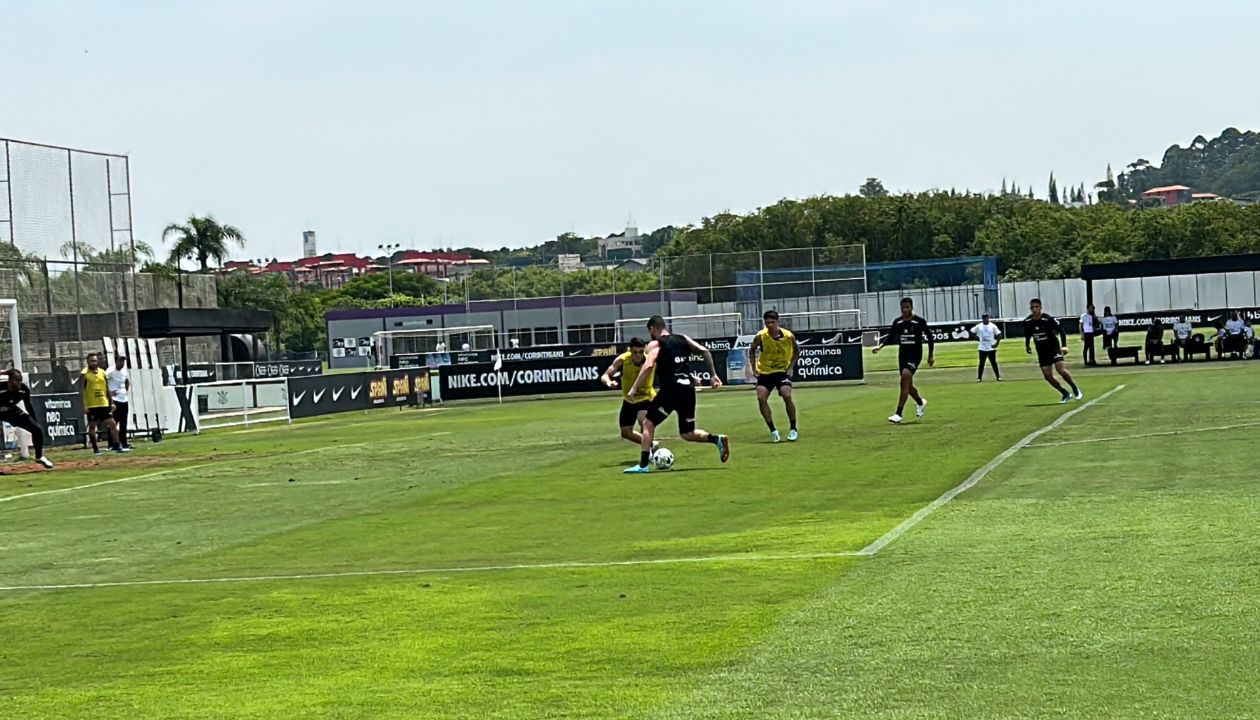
(1044, 332)
(16, 409)
(669, 354)
(908, 332)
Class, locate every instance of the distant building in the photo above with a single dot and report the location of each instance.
(309, 248)
(1205, 197)
(569, 263)
(1170, 196)
(622, 245)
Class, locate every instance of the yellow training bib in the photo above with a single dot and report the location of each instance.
(775, 354)
(630, 373)
(95, 389)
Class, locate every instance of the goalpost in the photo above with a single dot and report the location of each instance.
(712, 325)
(821, 320)
(388, 343)
(21, 438)
(229, 403)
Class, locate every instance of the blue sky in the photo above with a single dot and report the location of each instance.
(505, 123)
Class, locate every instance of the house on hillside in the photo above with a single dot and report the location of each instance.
(622, 245)
(1170, 195)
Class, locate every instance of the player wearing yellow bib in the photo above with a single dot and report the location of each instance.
(633, 409)
(773, 354)
(97, 404)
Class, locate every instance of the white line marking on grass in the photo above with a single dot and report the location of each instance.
(439, 434)
(160, 473)
(302, 482)
(568, 565)
(976, 477)
(1144, 435)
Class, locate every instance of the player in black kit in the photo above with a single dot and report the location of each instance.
(669, 354)
(16, 409)
(909, 332)
(1047, 335)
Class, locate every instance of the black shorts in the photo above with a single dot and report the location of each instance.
(629, 414)
(679, 399)
(909, 361)
(98, 414)
(1047, 357)
(774, 381)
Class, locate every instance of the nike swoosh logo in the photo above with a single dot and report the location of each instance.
(354, 392)
(337, 394)
(575, 353)
(319, 394)
(298, 398)
(855, 339)
(832, 340)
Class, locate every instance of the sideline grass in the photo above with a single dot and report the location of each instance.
(539, 482)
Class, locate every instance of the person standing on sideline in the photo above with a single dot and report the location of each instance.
(1110, 328)
(1181, 339)
(97, 405)
(987, 333)
(1089, 329)
(909, 332)
(17, 410)
(773, 355)
(1155, 342)
(118, 380)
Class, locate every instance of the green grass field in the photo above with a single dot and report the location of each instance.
(487, 561)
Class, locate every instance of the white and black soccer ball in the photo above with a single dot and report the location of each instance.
(663, 458)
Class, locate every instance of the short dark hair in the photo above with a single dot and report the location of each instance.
(14, 373)
(637, 342)
(907, 301)
(93, 355)
(770, 315)
(1035, 300)
(656, 322)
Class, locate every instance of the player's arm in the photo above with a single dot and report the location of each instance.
(997, 335)
(1062, 333)
(714, 382)
(885, 339)
(26, 400)
(612, 369)
(1028, 333)
(649, 362)
(796, 351)
(752, 351)
(931, 341)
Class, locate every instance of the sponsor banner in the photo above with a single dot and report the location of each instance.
(1197, 318)
(438, 359)
(347, 392)
(61, 416)
(284, 368)
(197, 373)
(559, 375)
(828, 362)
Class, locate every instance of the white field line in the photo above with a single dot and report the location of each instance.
(867, 551)
(304, 482)
(568, 565)
(976, 477)
(1144, 435)
(159, 473)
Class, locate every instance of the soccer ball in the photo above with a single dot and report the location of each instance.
(663, 459)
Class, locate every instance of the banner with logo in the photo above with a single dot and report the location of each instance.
(346, 392)
(554, 376)
(283, 368)
(61, 416)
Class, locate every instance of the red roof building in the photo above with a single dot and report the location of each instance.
(1170, 195)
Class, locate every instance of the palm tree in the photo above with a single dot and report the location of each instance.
(202, 239)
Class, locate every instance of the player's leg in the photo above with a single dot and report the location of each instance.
(92, 433)
(1061, 368)
(907, 387)
(120, 417)
(763, 404)
(993, 361)
(980, 367)
(626, 419)
(688, 431)
(1047, 372)
(112, 427)
(657, 411)
(789, 404)
(27, 423)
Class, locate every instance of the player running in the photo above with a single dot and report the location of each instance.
(773, 353)
(909, 332)
(668, 355)
(16, 409)
(633, 407)
(1047, 334)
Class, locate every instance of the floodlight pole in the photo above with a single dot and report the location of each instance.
(389, 265)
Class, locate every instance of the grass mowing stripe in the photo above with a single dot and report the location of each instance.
(976, 477)
(567, 565)
(159, 473)
(1165, 433)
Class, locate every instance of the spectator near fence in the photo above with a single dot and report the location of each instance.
(1089, 329)
(1111, 328)
(1155, 342)
(1182, 331)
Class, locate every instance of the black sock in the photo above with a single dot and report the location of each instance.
(715, 439)
(1074, 388)
(770, 424)
(793, 425)
(643, 459)
(900, 409)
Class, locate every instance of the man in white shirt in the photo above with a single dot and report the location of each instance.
(987, 334)
(1250, 334)
(1110, 328)
(1089, 330)
(1235, 337)
(1181, 339)
(118, 382)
